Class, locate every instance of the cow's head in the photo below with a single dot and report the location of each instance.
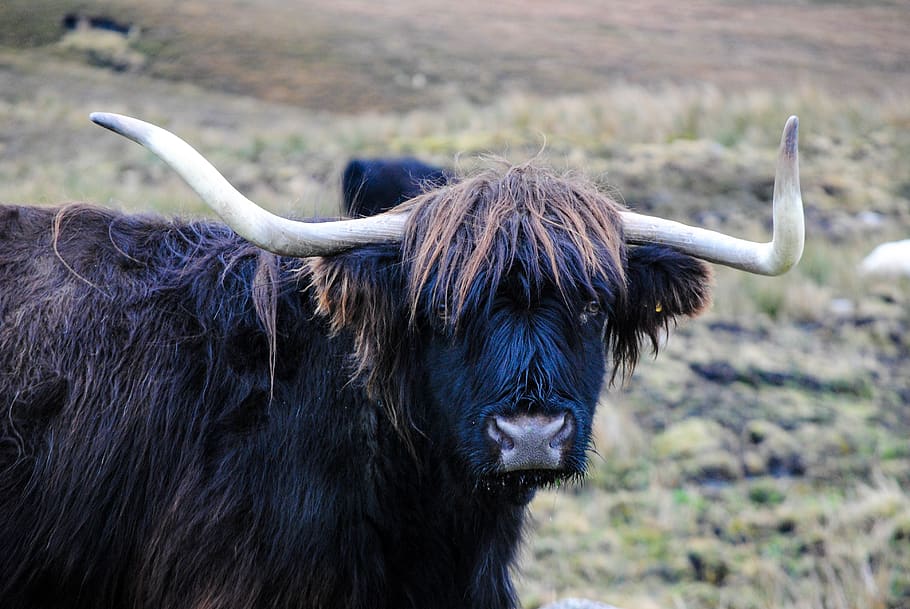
(496, 318)
(486, 313)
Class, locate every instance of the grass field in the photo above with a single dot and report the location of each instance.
(762, 460)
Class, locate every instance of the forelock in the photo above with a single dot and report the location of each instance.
(464, 239)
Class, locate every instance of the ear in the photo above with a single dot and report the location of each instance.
(661, 286)
(361, 292)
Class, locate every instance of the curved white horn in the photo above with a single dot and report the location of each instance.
(265, 229)
(301, 239)
(772, 258)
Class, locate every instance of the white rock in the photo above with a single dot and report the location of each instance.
(872, 219)
(841, 307)
(888, 259)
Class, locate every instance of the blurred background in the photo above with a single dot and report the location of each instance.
(762, 460)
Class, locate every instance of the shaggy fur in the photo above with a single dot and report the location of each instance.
(190, 422)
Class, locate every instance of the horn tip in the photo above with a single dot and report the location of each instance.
(102, 118)
(790, 139)
(108, 120)
(130, 128)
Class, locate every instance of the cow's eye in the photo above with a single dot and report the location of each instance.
(592, 309)
(442, 313)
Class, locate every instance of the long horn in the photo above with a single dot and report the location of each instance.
(265, 229)
(772, 258)
(301, 239)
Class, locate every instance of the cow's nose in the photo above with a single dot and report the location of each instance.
(526, 441)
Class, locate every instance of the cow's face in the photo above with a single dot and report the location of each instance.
(518, 381)
(498, 317)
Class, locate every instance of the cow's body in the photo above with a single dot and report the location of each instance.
(190, 422)
(371, 186)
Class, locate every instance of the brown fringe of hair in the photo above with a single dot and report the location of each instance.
(479, 228)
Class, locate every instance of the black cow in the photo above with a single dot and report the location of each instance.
(190, 421)
(74, 21)
(371, 186)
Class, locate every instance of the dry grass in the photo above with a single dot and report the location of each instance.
(357, 55)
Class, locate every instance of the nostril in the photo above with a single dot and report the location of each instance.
(500, 437)
(563, 436)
